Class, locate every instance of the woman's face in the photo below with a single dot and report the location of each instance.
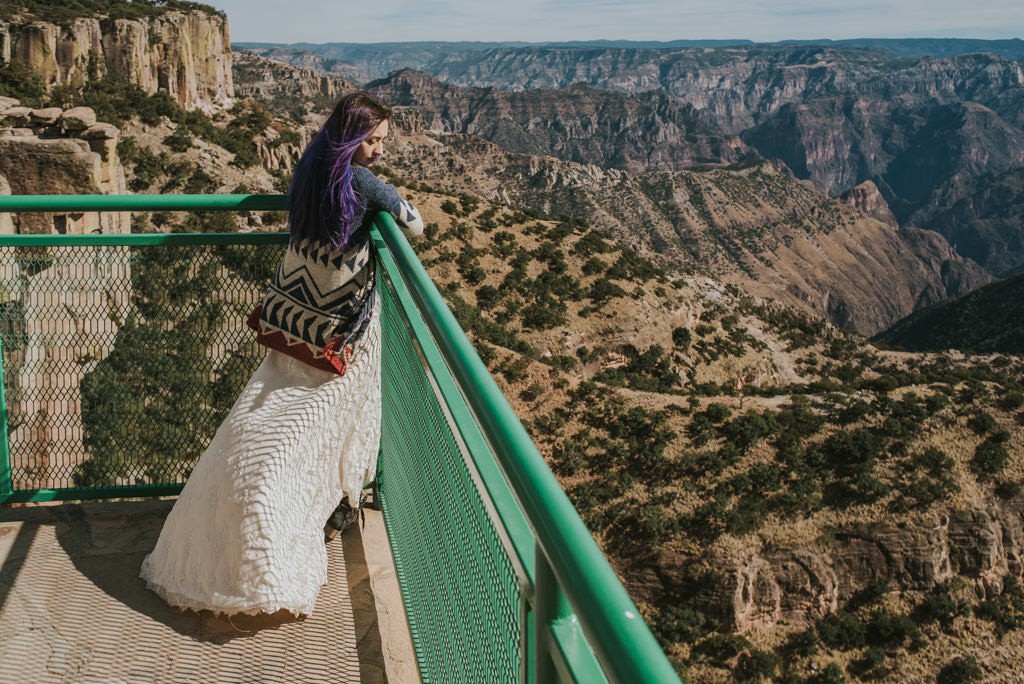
(372, 148)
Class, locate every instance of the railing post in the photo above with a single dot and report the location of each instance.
(6, 482)
(550, 604)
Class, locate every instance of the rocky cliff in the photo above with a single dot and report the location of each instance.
(52, 151)
(925, 132)
(579, 123)
(280, 85)
(797, 584)
(186, 54)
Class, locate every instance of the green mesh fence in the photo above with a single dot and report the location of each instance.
(120, 361)
(461, 591)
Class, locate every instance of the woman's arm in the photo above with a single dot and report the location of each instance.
(379, 195)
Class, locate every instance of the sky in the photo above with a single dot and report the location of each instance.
(344, 21)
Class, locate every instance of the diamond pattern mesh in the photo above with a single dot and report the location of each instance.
(460, 590)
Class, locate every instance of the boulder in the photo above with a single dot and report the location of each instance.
(45, 117)
(77, 119)
(19, 116)
(8, 102)
(101, 131)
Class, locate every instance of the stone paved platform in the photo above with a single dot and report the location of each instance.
(73, 609)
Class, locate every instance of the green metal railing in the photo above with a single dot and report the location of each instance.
(501, 580)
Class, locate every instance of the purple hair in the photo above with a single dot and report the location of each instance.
(322, 205)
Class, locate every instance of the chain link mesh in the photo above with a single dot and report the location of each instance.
(119, 362)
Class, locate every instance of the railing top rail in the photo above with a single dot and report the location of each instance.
(76, 203)
(142, 239)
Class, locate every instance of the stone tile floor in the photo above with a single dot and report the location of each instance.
(73, 609)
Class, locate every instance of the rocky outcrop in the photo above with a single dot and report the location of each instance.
(280, 152)
(55, 152)
(268, 80)
(802, 583)
(869, 201)
(186, 54)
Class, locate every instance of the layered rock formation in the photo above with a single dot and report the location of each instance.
(186, 54)
(798, 584)
(581, 123)
(268, 80)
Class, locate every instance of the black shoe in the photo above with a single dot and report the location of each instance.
(343, 517)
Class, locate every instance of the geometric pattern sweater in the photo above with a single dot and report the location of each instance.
(319, 303)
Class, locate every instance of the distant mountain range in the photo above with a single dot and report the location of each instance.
(941, 137)
(1012, 48)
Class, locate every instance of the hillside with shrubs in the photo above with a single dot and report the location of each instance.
(713, 441)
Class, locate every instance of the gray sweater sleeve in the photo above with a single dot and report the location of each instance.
(380, 196)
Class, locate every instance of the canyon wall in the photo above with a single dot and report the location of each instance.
(185, 54)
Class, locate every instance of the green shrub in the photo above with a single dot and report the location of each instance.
(801, 644)
(1012, 400)
(721, 647)
(559, 361)
(533, 392)
(756, 665)
(179, 141)
(22, 83)
(982, 423)
(990, 457)
(841, 630)
(872, 665)
(674, 623)
(940, 606)
(961, 670)
(681, 338)
(593, 266)
(603, 290)
(488, 296)
(885, 628)
(591, 243)
(544, 314)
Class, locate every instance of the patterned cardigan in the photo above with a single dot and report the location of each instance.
(319, 303)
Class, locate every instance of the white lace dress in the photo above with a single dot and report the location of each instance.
(246, 534)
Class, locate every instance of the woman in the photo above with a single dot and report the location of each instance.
(246, 536)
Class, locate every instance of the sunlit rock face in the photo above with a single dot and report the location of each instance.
(185, 54)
